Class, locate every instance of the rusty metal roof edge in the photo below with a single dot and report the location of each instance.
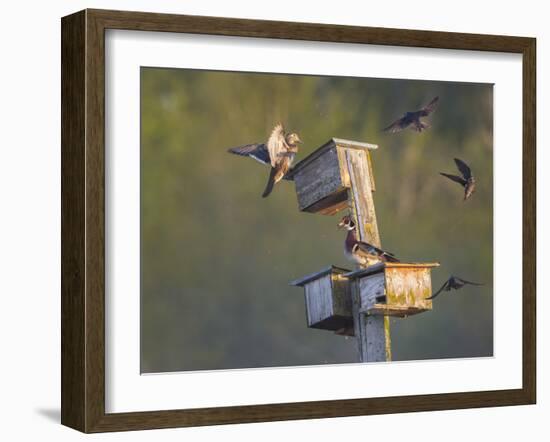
(312, 276)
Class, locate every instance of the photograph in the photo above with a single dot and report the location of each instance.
(282, 215)
(245, 221)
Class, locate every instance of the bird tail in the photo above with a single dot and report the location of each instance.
(419, 126)
(390, 258)
(270, 182)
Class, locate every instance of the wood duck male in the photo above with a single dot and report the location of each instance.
(279, 152)
(361, 252)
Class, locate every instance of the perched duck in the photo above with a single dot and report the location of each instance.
(278, 152)
(467, 179)
(412, 119)
(455, 283)
(361, 252)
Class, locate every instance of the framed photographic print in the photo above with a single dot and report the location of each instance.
(266, 220)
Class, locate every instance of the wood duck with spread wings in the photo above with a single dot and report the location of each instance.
(278, 152)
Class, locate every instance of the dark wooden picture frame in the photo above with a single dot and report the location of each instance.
(83, 220)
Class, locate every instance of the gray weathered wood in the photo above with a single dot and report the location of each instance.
(361, 199)
(372, 288)
(378, 338)
(372, 333)
(300, 282)
(322, 181)
(327, 299)
(319, 180)
(319, 300)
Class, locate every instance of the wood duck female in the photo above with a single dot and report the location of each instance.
(278, 152)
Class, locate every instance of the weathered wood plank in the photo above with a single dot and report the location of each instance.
(344, 170)
(371, 171)
(341, 297)
(320, 179)
(372, 290)
(362, 202)
(409, 287)
(372, 332)
(327, 299)
(316, 275)
(395, 289)
(343, 163)
(378, 338)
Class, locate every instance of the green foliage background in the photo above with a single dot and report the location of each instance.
(216, 258)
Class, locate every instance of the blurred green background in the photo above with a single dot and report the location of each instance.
(216, 258)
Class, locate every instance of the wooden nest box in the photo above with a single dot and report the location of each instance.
(384, 289)
(394, 289)
(328, 300)
(324, 178)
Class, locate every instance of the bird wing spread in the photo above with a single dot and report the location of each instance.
(276, 145)
(429, 108)
(445, 286)
(419, 126)
(464, 168)
(468, 282)
(455, 178)
(257, 151)
(397, 125)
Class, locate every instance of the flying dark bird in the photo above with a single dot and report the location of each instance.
(467, 179)
(412, 119)
(360, 252)
(278, 152)
(455, 283)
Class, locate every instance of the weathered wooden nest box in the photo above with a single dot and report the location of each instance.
(323, 178)
(388, 289)
(328, 299)
(394, 289)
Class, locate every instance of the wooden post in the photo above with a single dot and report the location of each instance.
(371, 332)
